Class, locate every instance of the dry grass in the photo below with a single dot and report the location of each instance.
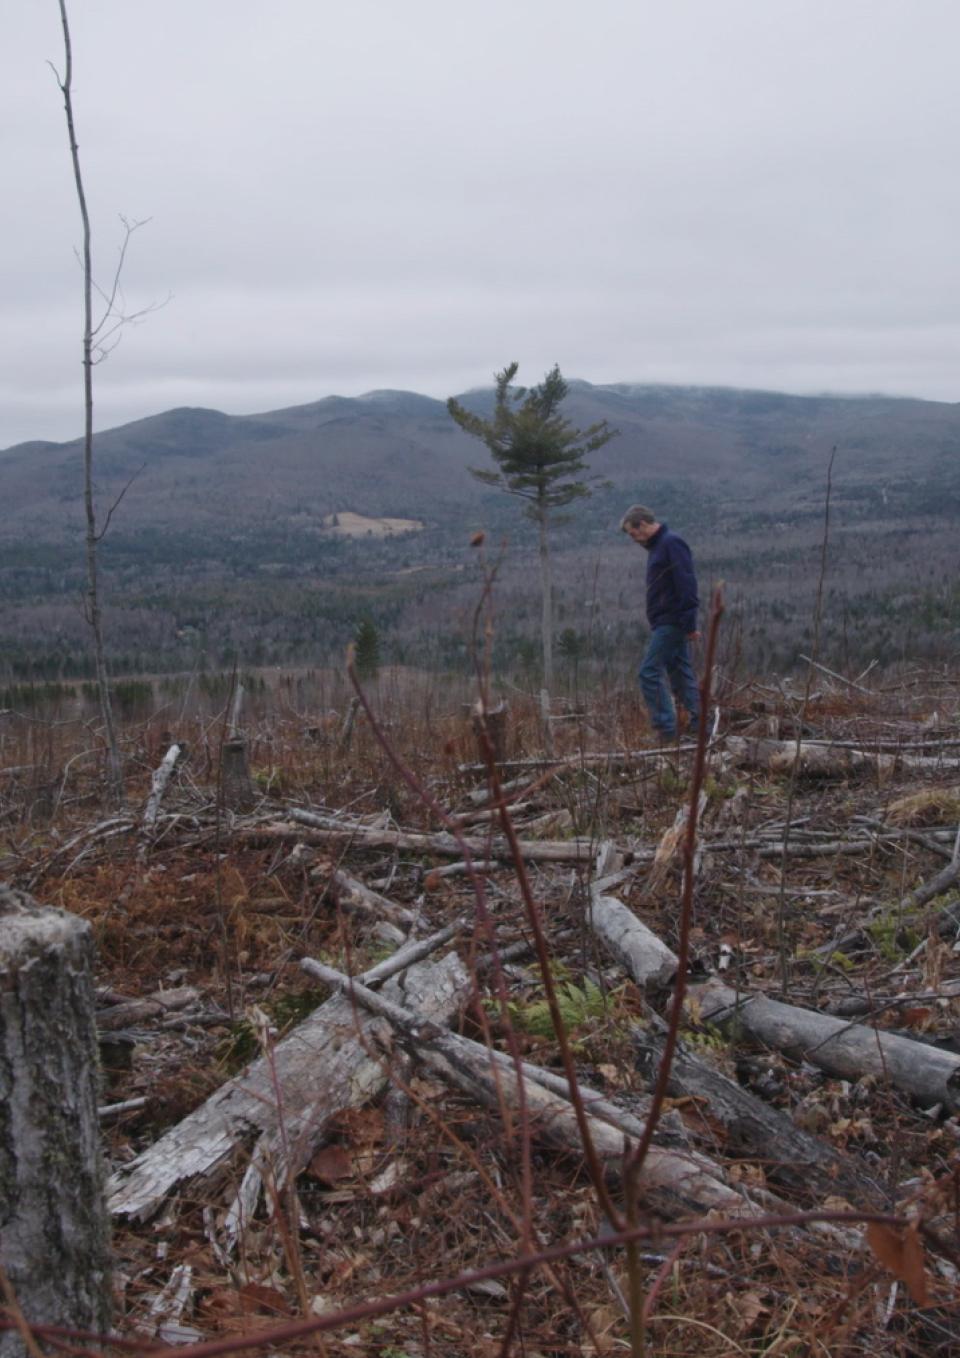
(929, 806)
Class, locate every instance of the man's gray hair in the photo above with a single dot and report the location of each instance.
(636, 515)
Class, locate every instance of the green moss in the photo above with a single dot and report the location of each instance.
(892, 937)
(285, 1011)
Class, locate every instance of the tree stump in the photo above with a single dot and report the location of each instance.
(239, 791)
(493, 722)
(54, 1234)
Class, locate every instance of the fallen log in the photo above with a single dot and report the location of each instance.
(351, 894)
(802, 1161)
(789, 1156)
(329, 829)
(643, 956)
(848, 1050)
(161, 777)
(826, 759)
(334, 1059)
(673, 1182)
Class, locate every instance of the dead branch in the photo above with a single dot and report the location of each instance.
(328, 829)
(151, 1006)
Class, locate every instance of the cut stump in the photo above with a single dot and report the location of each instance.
(54, 1233)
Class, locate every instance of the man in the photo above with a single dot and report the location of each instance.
(672, 614)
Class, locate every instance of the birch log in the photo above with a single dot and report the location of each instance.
(333, 1060)
(643, 956)
(158, 786)
(849, 1050)
(54, 1242)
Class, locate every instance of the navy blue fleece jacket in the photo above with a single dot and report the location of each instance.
(671, 582)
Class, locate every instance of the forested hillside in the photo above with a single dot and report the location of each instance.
(227, 539)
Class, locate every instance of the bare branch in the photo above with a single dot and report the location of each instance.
(106, 523)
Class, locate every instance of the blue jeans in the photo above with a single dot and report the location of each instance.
(667, 657)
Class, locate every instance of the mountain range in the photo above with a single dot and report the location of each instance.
(215, 506)
(394, 452)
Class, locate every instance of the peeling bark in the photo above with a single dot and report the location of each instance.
(336, 1058)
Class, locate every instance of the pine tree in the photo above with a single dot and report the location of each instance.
(540, 456)
(366, 641)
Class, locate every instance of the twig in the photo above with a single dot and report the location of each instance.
(833, 675)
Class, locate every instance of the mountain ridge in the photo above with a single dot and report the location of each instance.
(223, 541)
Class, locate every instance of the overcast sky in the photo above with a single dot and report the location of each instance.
(348, 196)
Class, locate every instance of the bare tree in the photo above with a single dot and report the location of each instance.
(98, 339)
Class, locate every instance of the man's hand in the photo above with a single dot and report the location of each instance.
(693, 636)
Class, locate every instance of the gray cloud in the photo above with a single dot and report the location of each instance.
(347, 197)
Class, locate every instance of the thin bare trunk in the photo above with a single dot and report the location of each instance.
(546, 589)
(93, 611)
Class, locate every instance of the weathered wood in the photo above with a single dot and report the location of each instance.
(824, 759)
(54, 1237)
(673, 1182)
(239, 791)
(789, 1155)
(329, 829)
(643, 956)
(334, 1059)
(351, 894)
(413, 951)
(158, 786)
(850, 1050)
(670, 843)
(151, 1006)
(550, 823)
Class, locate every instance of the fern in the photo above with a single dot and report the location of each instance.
(578, 1007)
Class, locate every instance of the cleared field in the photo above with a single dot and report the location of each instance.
(351, 525)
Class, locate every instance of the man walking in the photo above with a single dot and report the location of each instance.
(672, 614)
